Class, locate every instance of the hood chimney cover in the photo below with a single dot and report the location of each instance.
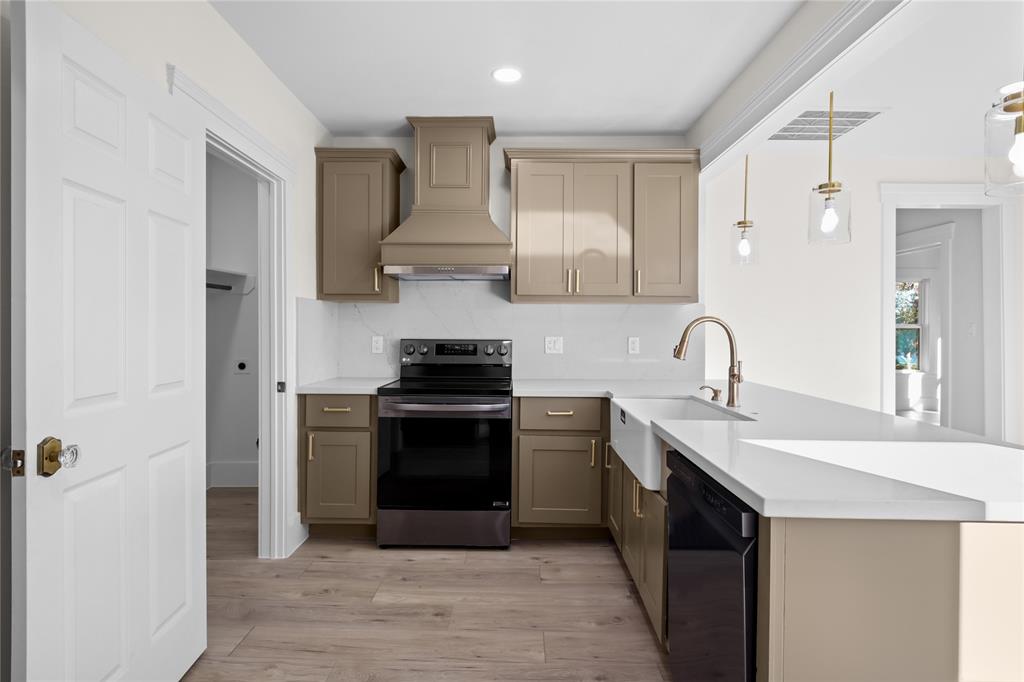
(450, 225)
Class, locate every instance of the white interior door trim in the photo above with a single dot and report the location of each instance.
(1001, 290)
(280, 527)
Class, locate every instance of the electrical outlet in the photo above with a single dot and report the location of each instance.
(243, 367)
(377, 344)
(633, 345)
(553, 344)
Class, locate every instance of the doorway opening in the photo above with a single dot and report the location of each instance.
(232, 351)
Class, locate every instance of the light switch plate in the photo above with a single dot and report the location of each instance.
(377, 344)
(553, 345)
(633, 345)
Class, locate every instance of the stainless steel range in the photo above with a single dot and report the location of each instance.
(444, 469)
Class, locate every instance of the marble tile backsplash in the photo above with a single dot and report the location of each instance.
(334, 338)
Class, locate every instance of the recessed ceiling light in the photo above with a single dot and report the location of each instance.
(506, 74)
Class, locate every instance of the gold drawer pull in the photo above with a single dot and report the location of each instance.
(607, 455)
(637, 288)
(337, 409)
(568, 279)
(577, 280)
(376, 279)
(593, 452)
(567, 413)
(309, 446)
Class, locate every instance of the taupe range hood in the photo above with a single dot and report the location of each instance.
(450, 234)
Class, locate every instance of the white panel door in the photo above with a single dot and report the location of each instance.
(114, 580)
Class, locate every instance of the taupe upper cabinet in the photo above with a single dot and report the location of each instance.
(604, 226)
(665, 229)
(357, 206)
(602, 234)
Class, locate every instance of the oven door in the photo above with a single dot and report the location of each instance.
(444, 453)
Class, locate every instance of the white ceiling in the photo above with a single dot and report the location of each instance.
(588, 67)
(933, 73)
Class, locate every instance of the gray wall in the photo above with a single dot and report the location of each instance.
(967, 342)
(232, 333)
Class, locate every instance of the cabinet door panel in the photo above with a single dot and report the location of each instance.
(603, 228)
(352, 225)
(613, 484)
(631, 528)
(559, 480)
(651, 584)
(665, 229)
(338, 475)
(543, 228)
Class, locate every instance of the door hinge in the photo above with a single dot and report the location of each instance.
(13, 461)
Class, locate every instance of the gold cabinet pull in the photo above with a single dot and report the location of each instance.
(593, 453)
(309, 446)
(636, 287)
(376, 279)
(577, 280)
(329, 410)
(607, 455)
(568, 280)
(634, 498)
(566, 413)
(639, 501)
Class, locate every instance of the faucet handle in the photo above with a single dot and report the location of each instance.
(739, 371)
(716, 393)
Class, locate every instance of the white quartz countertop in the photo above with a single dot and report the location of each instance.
(600, 388)
(813, 458)
(345, 386)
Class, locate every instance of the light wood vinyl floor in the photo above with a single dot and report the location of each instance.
(341, 610)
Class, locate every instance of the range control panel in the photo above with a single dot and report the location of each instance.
(456, 352)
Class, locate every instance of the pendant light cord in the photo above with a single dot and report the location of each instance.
(746, 175)
(831, 100)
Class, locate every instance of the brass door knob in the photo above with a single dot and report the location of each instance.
(52, 456)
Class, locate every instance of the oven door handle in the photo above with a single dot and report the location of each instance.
(448, 407)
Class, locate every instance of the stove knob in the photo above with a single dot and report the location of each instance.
(408, 349)
(424, 349)
(488, 350)
(503, 349)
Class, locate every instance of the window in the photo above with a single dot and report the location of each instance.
(908, 325)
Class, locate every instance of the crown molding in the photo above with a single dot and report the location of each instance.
(598, 155)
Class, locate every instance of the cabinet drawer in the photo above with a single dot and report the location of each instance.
(338, 410)
(560, 414)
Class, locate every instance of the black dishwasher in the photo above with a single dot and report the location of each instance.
(712, 578)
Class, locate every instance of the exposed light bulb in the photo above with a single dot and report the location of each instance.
(1016, 154)
(743, 247)
(829, 219)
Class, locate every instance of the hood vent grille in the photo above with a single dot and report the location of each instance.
(813, 125)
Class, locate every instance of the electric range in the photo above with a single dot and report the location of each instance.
(444, 469)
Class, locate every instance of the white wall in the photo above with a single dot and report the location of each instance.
(966, 344)
(806, 316)
(232, 332)
(334, 338)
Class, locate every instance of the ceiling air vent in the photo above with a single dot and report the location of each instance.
(813, 125)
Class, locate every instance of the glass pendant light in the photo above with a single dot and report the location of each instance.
(829, 218)
(744, 248)
(1004, 143)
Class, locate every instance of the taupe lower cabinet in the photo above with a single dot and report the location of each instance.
(337, 458)
(357, 206)
(337, 470)
(644, 545)
(604, 225)
(613, 487)
(560, 479)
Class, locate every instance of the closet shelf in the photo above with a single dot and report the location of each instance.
(228, 282)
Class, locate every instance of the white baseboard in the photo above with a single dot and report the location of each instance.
(238, 474)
